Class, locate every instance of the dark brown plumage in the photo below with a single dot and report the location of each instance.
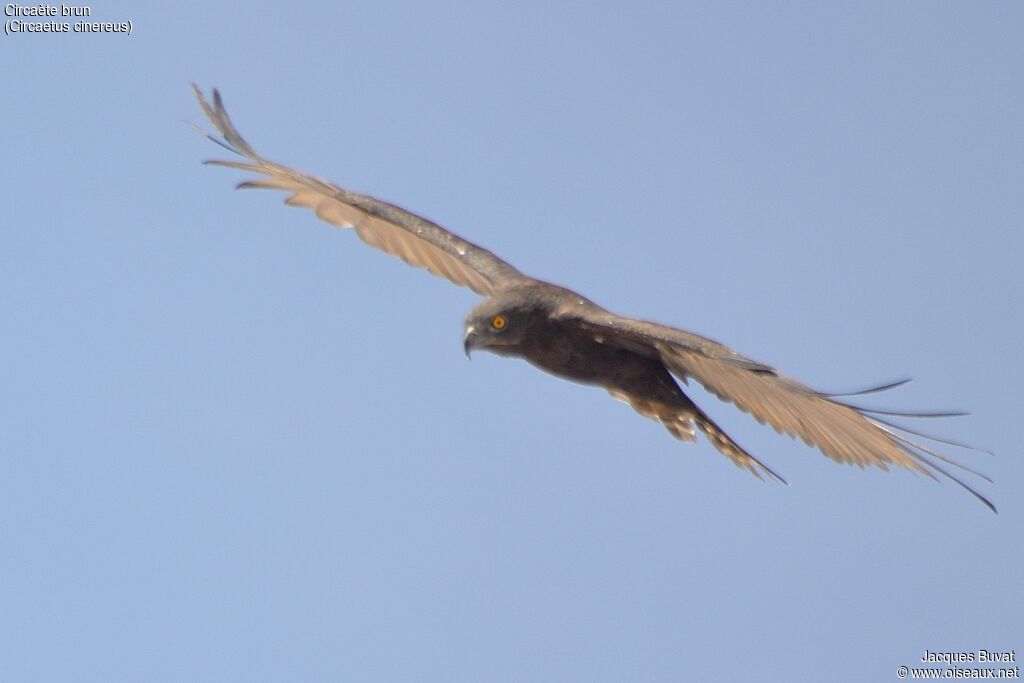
(566, 335)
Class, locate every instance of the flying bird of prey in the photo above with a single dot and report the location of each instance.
(569, 336)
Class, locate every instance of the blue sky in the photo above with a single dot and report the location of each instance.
(237, 444)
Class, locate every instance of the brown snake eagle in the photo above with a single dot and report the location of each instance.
(569, 336)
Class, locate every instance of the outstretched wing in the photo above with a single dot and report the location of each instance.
(387, 227)
(845, 433)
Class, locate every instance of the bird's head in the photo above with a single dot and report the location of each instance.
(499, 325)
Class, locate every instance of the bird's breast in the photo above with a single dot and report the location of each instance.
(582, 359)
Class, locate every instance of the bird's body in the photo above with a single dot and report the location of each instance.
(566, 335)
(542, 327)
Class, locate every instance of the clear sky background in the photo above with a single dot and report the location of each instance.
(237, 444)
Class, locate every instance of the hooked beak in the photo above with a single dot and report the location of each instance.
(469, 342)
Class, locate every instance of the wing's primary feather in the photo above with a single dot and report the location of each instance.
(385, 226)
(843, 432)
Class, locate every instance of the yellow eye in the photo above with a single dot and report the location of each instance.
(499, 322)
